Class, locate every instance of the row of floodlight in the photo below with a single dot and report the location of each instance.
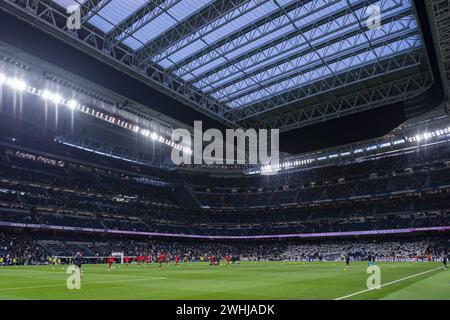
(21, 86)
(428, 135)
(273, 168)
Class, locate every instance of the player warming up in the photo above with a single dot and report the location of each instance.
(77, 261)
(110, 263)
(160, 260)
(347, 262)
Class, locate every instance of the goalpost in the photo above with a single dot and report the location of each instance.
(118, 255)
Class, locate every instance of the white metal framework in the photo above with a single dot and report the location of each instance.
(442, 14)
(266, 63)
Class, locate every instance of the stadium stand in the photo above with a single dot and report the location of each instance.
(65, 179)
(36, 248)
(396, 192)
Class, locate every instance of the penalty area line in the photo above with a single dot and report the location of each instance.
(388, 283)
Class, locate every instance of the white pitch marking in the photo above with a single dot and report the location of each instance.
(386, 284)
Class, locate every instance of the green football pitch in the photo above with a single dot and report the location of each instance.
(248, 280)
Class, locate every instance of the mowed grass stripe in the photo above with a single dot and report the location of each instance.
(388, 284)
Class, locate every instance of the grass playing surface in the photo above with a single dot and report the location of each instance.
(248, 280)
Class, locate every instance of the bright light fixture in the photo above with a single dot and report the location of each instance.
(72, 104)
(20, 85)
(16, 84)
(54, 97)
(154, 136)
(46, 95)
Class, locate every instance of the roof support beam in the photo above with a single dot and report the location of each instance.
(230, 42)
(136, 21)
(353, 76)
(90, 41)
(291, 39)
(298, 67)
(186, 28)
(380, 95)
(286, 62)
(91, 8)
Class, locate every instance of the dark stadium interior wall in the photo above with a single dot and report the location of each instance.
(348, 129)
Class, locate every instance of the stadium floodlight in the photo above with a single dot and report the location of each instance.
(400, 141)
(154, 136)
(54, 97)
(16, 84)
(46, 95)
(57, 98)
(347, 153)
(20, 85)
(72, 104)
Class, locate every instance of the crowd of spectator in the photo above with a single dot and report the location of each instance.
(37, 249)
(402, 191)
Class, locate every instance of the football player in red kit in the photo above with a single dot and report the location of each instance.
(160, 259)
(149, 261)
(177, 260)
(110, 263)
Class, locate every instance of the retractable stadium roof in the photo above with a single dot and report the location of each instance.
(254, 63)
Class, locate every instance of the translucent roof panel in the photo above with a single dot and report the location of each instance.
(152, 29)
(115, 12)
(240, 22)
(313, 33)
(192, 47)
(334, 50)
(257, 49)
(168, 18)
(322, 72)
(344, 26)
(214, 25)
